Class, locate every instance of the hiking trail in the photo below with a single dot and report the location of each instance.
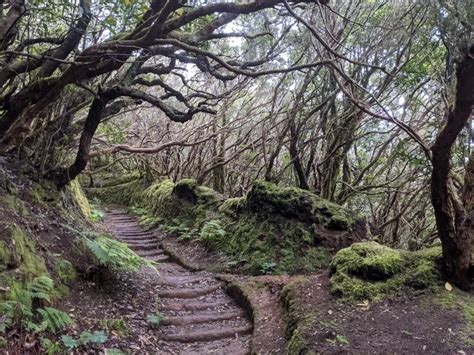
(199, 317)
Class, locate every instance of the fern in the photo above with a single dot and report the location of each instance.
(116, 255)
(19, 309)
(23, 301)
(7, 310)
(212, 233)
(42, 288)
(155, 319)
(54, 320)
(97, 215)
(98, 337)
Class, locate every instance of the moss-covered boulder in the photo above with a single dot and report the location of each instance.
(292, 202)
(184, 204)
(370, 270)
(279, 230)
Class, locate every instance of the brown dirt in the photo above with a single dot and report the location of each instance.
(405, 325)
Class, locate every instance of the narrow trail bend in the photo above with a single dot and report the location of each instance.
(199, 316)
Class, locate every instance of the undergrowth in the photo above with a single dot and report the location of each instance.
(27, 306)
(271, 230)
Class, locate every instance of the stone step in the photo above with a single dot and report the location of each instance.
(208, 335)
(202, 318)
(188, 292)
(192, 306)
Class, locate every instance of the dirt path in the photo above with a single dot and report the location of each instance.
(199, 317)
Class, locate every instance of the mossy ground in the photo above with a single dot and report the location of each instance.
(370, 270)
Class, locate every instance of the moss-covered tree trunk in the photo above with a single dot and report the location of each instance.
(453, 218)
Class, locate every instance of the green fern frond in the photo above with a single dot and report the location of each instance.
(99, 252)
(54, 320)
(212, 233)
(116, 255)
(23, 301)
(7, 310)
(42, 288)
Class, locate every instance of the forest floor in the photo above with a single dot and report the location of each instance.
(186, 308)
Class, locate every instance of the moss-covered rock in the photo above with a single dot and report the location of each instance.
(370, 270)
(184, 205)
(292, 202)
(278, 230)
(271, 230)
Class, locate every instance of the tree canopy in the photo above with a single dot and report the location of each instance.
(368, 104)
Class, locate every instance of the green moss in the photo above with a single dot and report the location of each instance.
(158, 197)
(370, 270)
(15, 203)
(232, 207)
(65, 270)
(6, 257)
(424, 267)
(38, 195)
(369, 260)
(126, 194)
(80, 199)
(266, 244)
(296, 344)
(62, 291)
(25, 255)
(183, 206)
(292, 202)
